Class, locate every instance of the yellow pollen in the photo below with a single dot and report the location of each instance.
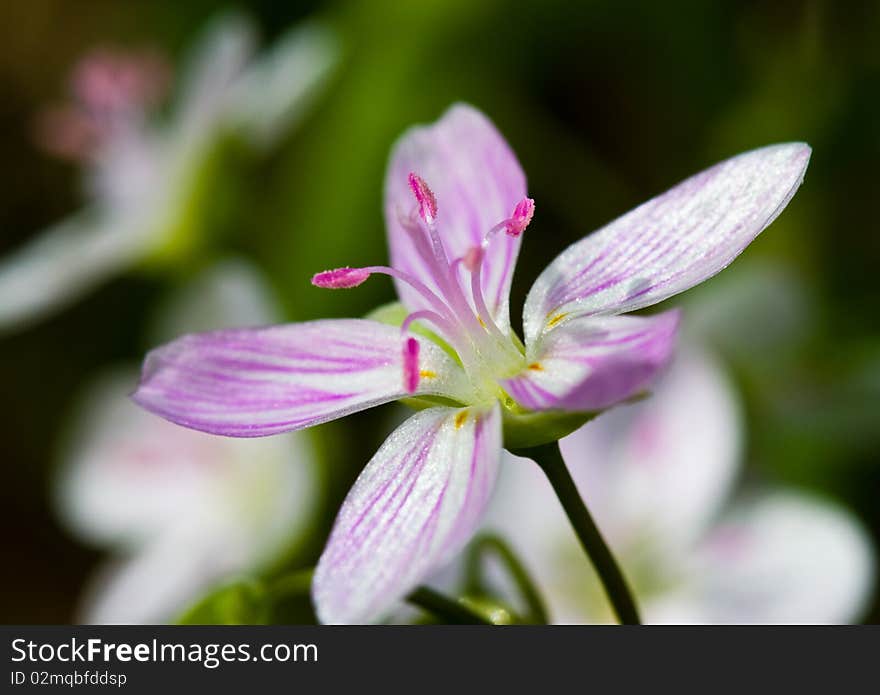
(482, 323)
(536, 367)
(556, 319)
(427, 374)
(460, 419)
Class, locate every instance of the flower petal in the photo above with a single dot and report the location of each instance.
(157, 583)
(262, 381)
(592, 363)
(415, 505)
(663, 467)
(60, 265)
(129, 477)
(277, 88)
(783, 558)
(212, 68)
(477, 182)
(670, 243)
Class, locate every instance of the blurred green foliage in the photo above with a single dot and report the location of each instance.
(605, 102)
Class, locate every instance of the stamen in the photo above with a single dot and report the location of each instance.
(485, 315)
(411, 365)
(442, 308)
(425, 198)
(425, 315)
(341, 278)
(424, 243)
(515, 224)
(444, 270)
(443, 318)
(522, 215)
(473, 262)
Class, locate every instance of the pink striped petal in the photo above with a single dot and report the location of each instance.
(670, 243)
(415, 505)
(477, 183)
(592, 363)
(261, 381)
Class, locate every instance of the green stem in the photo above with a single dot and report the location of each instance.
(293, 584)
(520, 575)
(444, 607)
(549, 458)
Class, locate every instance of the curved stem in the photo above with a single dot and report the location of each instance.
(549, 458)
(293, 584)
(444, 607)
(520, 575)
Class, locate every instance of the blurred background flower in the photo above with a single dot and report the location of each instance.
(606, 104)
(657, 476)
(149, 185)
(182, 511)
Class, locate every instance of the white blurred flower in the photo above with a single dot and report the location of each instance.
(181, 510)
(657, 476)
(142, 173)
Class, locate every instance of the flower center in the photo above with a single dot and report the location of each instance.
(458, 310)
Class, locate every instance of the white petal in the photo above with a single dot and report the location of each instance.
(279, 86)
(156, 584)
(214, 64)
(415, 505)
(129, 476)
(62, 263)
(670, 243)
(783, 558)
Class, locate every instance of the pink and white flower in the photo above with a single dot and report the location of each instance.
(181, 510)
(658, 476)
(457, 208)
(142, 173)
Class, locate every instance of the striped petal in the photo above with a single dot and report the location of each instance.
(670, 243)
(257, 382)
(415, 505)
(477, 182)
(592, 363)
